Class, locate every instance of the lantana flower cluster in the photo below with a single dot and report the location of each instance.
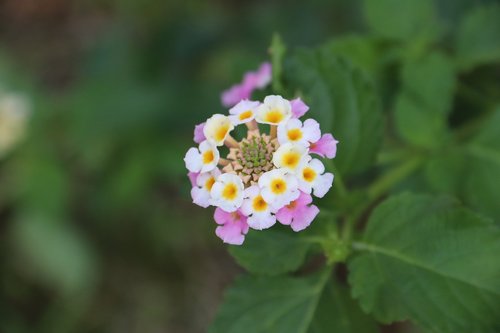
(269, 175)
(14, 113)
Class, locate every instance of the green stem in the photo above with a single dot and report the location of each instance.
(379, 188)
(394, 176)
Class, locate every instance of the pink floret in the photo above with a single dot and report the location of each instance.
(299, 108)
(326, 146)
(299, 214)
(192, 178)
(251, 81)
(232, 226)
(199, 137)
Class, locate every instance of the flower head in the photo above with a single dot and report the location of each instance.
(279, 187)
(227, 192)
(274, 110)
(259, 212)
(14, 112)
(243, 112)
(295, 132)
(202, 187)
(202, 159)
(263, 177)
(312, 178)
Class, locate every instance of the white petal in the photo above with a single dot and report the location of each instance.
(193, 160)
(200, 196)
(261, 221)
(323, 185)
(311, 130)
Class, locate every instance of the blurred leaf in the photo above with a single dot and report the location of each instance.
(277, 51)
(478, 37)
(338, 312)
(422, 107)
(54, 254)
(361, 51)
(430, 260)
(402, 20)
(344, 102)
(269, 304)
(471, 170)
(288, 252)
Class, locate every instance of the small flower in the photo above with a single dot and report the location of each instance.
(299, 214)
(201, 190)
(312, 178)
(295, 132)
(263, 177)
(259, 212)
(251, 81)
(274, 110)
(278, 187)
(232, 226)
(299, 108)
(202, 159)
(243, 112)
(290, 157)
(217, 129)
(326, 146)
(199, 137)
(227, 192)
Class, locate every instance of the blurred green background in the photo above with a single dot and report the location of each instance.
(97, 229)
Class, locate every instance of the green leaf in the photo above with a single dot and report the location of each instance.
(343, 100)
(471, 171)
(401, 20)
(269, 304)
(430, 260)
(478, 37)
(271, 252)
(422, 107)
(338, 312)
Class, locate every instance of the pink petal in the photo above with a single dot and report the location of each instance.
(199, 137)
(192, 177)
(285, 215)
(263, 75)
(304, 217)
(251, 81)
(230, 234)
(299, 108)
(325, 146)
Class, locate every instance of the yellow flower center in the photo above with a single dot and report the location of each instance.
(308, 174)
(278, 186)
(208, 157)
(245, 115)
(209, 183)
(221, 132)
(230, 192)
(274, 116)
(259, 204)
(295, 134)
(290, 159)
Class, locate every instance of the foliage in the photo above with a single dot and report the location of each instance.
(428, 258)
(97, 233)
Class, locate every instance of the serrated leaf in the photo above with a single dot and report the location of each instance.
(338, 312)
(343, 100)
(269, 304)
(401, 20)
(430, 260)
(471, 170)
(422, 107)
(478, 37)
(271, 252)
